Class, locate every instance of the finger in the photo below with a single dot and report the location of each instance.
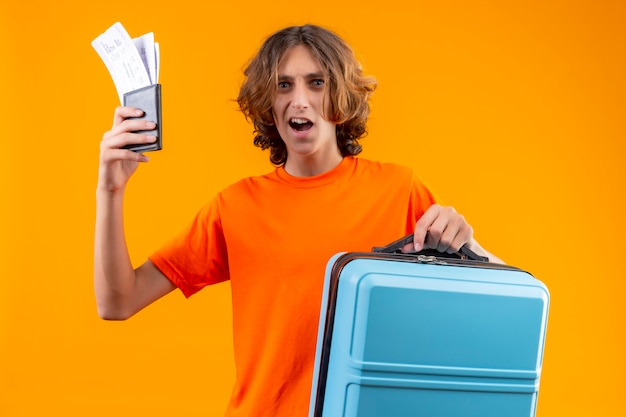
(444, 229)
(447, 237)
(112, 155)
(437, 232)
(452, 233)
(129, 125)
(423, 225)
(127, 138)
(464, 236)
(125, 133)
(120, 141)
(408, 248)
(124, 112)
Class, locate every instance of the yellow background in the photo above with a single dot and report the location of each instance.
(512, 111)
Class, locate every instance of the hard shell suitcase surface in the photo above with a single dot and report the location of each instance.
(413, 335)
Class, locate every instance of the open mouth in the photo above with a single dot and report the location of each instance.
(300, 124)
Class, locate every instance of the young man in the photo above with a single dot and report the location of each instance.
(272, 235)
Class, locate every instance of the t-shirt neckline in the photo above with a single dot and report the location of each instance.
(317, 180)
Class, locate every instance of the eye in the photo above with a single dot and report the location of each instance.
(318, 83)
(283, 85)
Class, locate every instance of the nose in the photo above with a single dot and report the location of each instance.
(300, 97)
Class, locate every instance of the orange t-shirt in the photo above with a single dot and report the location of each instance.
(272, 237)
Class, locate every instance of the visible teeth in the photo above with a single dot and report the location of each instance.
(299, 121)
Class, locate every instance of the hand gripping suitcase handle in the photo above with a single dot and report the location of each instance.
(397, 245)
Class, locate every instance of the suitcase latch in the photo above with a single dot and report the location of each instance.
(427, 259)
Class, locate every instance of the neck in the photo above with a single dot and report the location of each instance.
(311, 165)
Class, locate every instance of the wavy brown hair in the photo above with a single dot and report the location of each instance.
(349, 90)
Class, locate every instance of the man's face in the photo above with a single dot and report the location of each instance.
(299, 107)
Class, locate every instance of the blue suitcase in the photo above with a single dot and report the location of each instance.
(420, 335)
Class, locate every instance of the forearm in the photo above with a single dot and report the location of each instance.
(475, 247)
(114, 275)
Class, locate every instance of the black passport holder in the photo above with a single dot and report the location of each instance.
(147, 99)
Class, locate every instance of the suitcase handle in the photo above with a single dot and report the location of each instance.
(397, 245)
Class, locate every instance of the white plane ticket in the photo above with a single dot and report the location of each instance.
(132, 63)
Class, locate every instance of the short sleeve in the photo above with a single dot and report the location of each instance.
(197, 257)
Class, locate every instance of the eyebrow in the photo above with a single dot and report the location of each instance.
(284, 77)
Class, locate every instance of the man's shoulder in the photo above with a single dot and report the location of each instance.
(250, 184)
(386, 169)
